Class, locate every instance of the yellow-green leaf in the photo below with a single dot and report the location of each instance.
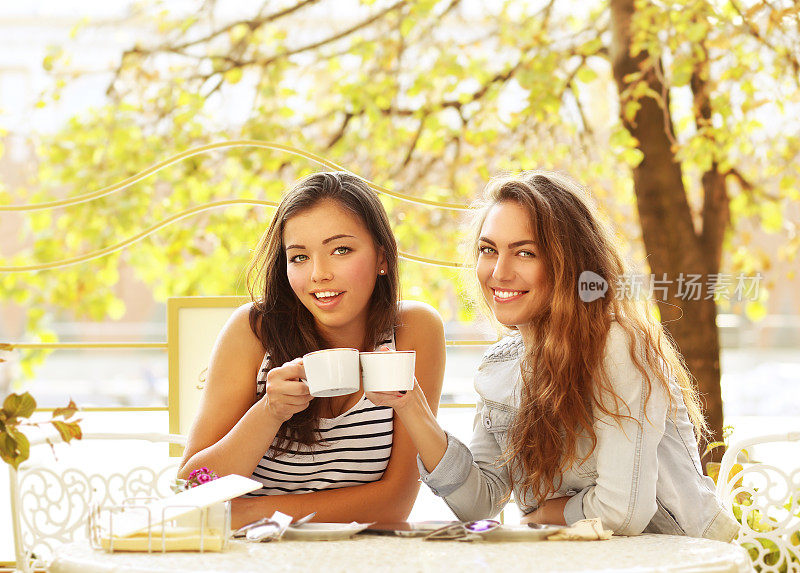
(19, 405)
(755, 310)
(68, 430)
(233, 76)
(771, 217)
(586, 74)
(14, 447)
(66, 412)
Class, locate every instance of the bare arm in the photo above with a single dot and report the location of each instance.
(230, 434)
(391, 497)
(550, 512)
(425, 432)
(419, 418)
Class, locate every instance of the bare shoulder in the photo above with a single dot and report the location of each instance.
(418, 313)
(420, 325)
(237, 334)
(419, 318)
(421, 330)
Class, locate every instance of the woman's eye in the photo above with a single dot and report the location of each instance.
(485, 250)
(298, 258)
(342, 250)
(526, 254)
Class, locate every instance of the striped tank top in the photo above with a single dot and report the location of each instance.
(354, 448)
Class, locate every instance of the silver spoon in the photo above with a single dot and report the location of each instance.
(544, 526)
(303, 520)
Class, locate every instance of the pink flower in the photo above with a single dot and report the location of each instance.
(197, 477)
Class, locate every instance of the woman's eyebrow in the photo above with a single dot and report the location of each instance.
(324, 242)
(510, 245)
(329, 239)
(520, 243)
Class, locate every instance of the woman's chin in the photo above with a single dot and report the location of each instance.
(508, 321)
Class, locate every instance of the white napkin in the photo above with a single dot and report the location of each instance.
(583, 530)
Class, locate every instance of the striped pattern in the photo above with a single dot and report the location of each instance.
(354, 449)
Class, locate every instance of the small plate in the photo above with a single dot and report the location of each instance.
(324, 531)
(520, 533)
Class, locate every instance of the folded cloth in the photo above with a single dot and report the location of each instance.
(173, 539)
(583, 530)
(273, 528)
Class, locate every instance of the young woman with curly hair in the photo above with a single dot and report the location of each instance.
(587, 409)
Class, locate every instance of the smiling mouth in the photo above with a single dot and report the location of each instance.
(503, 295)
(328, 295)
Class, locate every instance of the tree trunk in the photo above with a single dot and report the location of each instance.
(675, 250)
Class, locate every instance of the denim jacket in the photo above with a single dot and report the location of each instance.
(644, 475)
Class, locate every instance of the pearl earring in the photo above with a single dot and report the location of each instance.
(383, 272)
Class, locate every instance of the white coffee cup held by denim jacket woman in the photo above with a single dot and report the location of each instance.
(587, 410)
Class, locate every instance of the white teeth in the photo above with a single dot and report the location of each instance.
(506, 293)
(326, 294)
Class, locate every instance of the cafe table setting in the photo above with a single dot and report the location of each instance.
(190, 532)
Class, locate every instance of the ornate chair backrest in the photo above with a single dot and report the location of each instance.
(53, 492)
(765, 498)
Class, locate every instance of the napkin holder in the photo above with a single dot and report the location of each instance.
(200, 529)
(197, 519)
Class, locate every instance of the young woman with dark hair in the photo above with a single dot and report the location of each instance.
(587, 409)
(325, 275)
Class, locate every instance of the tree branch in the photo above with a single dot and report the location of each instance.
(254, 25)
(340, 35)
(339, 134)
(754, 31)
(412, 146)
(749, 187)
(586, 126)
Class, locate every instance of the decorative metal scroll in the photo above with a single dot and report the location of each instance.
(122, 185)
(55, 506)
(765, 499)
(54, 500)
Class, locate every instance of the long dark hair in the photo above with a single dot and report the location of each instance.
(564, 382)
(280, 321)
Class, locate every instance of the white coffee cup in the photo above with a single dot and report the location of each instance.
(391, 371)
(332, 372)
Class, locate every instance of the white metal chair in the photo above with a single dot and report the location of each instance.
(765, 498)
(53, 492)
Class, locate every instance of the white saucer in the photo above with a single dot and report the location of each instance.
(324, 531)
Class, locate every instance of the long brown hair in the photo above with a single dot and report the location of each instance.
(562, 371)
(280, 321)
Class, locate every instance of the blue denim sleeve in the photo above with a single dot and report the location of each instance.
(452, 470)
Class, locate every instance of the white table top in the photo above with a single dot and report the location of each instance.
(369, 553)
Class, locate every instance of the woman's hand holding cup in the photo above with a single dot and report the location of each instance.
(286, 392)
(396, 400)
(389, 377)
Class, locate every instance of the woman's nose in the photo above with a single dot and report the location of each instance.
(502, 269)
(321, 272)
